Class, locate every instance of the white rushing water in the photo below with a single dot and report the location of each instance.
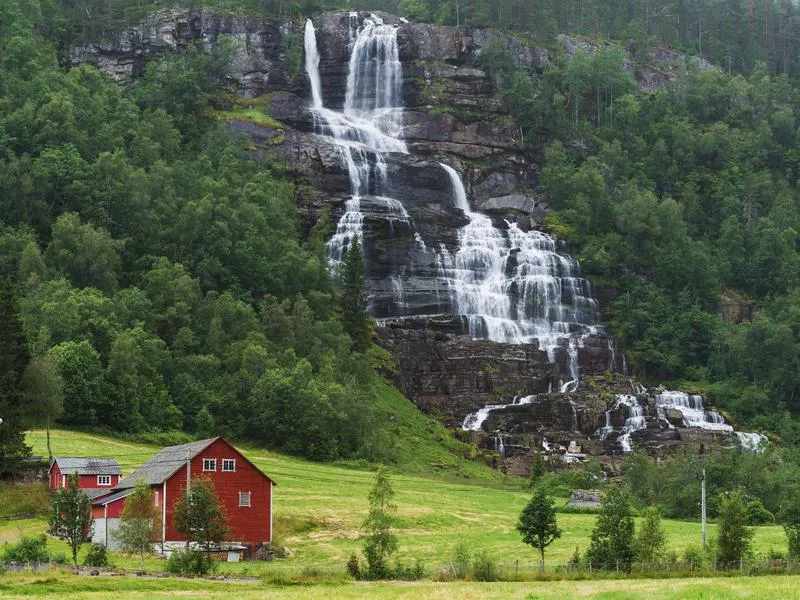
(474, 421)
(636, 420)
(692, 409)
(513, 286)
(368, 129)
(755, 442)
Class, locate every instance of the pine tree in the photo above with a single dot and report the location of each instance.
(379, 540)
(71, 517)
(612, 536)
(538, 468)
(353, 301)
(733, 541)
(537, 523)
(13, 358)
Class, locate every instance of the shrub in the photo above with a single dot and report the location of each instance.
(574, 561)
(30, 549)
(694, 557)
(757, 514)
(413, 573)
(484, 568)
(58, 558)
(461, 557)
(354, 567)
(189, 562)
(96, 557)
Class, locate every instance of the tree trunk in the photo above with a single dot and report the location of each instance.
(49, 452)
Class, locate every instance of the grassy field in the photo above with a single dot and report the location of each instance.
(318, 509)
(65, 586)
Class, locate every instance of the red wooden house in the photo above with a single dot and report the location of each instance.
(96, 476)
(245, 492)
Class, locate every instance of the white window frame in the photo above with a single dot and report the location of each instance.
(232, 462)
(155, 498)
(106, 480)
(212, 462)
(249, 500)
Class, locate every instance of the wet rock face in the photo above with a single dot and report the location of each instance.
(451, 375)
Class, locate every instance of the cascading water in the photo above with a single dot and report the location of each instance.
(367, 130)
(511, 286)
(474, 421)
(692, 410)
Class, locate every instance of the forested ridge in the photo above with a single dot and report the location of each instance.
(150, 275)
(160, 280)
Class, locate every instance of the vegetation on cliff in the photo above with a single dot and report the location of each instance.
(165, 276)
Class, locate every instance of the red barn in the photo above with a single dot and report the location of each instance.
(96, 476)
(244, 491)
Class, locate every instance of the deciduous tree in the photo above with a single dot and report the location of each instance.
(537, 523)
(71, 516)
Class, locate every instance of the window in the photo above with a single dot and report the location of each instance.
(155, 498)
(244, 498)
(209, 464)
(104, 480)
(229, 464)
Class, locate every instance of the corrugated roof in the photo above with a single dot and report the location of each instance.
(87, 466)
(165, 463)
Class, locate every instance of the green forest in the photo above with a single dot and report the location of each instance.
(113, 298)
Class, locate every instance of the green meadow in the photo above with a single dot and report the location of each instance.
(318, 509)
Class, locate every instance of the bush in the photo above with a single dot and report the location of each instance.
(354, 567)
(30, 549)
(96, 557)
(461, 557)
(189, 562)
(574, 561)
(484, 568)
(757, 514)
(413, 573)
(58, 558)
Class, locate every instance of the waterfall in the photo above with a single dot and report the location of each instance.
(514, 287)
(507, 285)
(474, 421)
(752, 441)
(312, 65)
(368, 128)
(692, 410)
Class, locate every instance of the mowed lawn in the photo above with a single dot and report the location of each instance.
(63, 585)
(318, 509)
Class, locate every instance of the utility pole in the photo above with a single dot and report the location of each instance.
(703, 505)
(189, 495)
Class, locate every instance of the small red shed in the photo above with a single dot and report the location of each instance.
(96, 476)
(245, 492)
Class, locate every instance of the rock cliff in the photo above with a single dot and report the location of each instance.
(454, 114)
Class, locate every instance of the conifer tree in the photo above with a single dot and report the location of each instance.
(354, 297)
(13, 358)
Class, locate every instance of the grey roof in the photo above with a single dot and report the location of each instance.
(115, 496)
(164, 464)
(87, 466)
(96, 492)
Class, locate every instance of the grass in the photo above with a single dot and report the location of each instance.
(66, 586)
(319, 507)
